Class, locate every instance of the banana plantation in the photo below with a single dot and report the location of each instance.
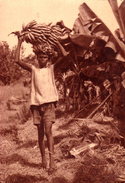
(89, 130)
(96, 55)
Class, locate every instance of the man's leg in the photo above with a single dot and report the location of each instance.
(42, 143)
(50, 142)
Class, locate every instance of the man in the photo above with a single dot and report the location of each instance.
(43, 96)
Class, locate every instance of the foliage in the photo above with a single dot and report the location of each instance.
(24, 113)
(9, 70)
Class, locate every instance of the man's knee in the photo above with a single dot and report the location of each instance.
(48, 129)
(40, 129)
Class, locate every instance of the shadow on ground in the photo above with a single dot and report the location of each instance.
(58, 138)
(17, 158)
(30, 143)
(18, 178)
(59, 180)
(93, 174)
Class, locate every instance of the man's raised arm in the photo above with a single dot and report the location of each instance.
(17, 57)
(60, 59)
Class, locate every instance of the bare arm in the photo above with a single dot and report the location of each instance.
(17, 57)
(62, 58)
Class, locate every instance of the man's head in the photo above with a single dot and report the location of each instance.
(44, 52)
(42, 59)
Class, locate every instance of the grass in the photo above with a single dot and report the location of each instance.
(21, 158)
(24, 113)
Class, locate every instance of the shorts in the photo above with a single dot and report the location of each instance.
(43, 113)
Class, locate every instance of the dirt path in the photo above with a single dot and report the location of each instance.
(21, 160)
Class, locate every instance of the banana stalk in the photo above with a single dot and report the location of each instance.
(40, 33)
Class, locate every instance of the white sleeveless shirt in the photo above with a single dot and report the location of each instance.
(43, 88)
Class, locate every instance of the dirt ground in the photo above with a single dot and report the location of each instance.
(20, 160)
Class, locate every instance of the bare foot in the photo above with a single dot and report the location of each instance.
(51, 170)
(44, 164)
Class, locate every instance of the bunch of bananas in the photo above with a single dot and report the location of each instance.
(35, 33)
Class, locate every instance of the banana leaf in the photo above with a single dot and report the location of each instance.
(89, 24)
(119, 13)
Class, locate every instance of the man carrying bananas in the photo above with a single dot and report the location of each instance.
(43, 95)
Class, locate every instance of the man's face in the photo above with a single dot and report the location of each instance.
(42, 59)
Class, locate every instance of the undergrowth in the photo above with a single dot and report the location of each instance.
(24, 113)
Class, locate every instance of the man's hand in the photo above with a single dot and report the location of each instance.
(21, 39)
(16, 33)
(19, 35)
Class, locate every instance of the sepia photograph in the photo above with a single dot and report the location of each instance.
(62, 91)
